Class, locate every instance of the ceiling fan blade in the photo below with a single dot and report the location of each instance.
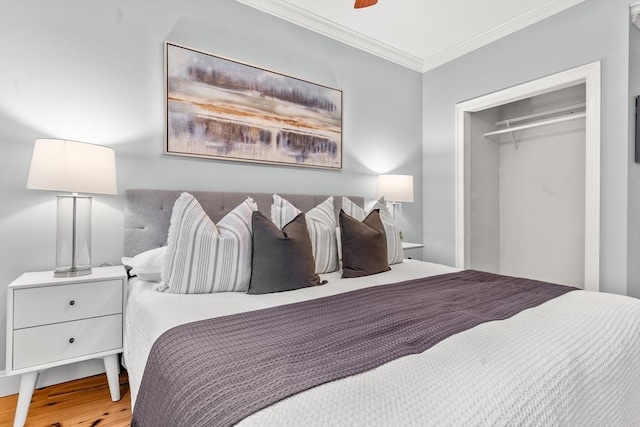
(364, 3)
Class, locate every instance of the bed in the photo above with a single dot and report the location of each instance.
(571, 359)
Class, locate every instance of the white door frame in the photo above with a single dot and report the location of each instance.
(589, 75)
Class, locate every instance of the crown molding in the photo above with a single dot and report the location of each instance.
(313, 22)
(531, 17)
(634, 10)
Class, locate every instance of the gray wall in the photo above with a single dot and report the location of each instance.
(591, 31)
(542, 199)
(92, 71)
(484, 193)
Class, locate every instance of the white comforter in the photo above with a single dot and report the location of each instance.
(572, 361)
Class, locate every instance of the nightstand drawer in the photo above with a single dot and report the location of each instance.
(53, 304)
(51, 343)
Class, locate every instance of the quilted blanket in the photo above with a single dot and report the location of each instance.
(220, 371)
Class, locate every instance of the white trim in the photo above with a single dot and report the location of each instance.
(592, 180)
(10, 384)
(588, 74)
(313, 22)
(634, 10)
(460, 186)
(524, 20)
(299, 16)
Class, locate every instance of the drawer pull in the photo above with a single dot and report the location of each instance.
(71, 340)
(72, 302)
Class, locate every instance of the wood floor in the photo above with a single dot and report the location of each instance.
(84, 402)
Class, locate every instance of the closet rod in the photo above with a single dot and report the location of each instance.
(536, 124)
(542, 114)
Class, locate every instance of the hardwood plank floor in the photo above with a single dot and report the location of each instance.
(84, 402)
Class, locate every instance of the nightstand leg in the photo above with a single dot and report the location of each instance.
(111, 365)
(27, 385)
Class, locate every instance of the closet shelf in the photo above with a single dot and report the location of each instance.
(576, 108)
(559, 119)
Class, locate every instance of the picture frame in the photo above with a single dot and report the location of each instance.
(223, 109)
(637, 129)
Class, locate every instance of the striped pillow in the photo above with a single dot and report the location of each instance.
(203, 257)
(394, 243)
(353, 210)
(321, 223)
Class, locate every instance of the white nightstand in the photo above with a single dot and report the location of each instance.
(56, 321)
(411, 250)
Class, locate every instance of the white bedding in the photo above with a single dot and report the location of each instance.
(574, 360)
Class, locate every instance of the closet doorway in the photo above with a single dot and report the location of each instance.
(528, 180)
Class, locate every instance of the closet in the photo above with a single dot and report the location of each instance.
(525, 190)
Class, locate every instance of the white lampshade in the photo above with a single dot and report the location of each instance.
(396, 188)
(74, 167)
(71, 166)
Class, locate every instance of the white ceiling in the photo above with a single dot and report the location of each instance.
(418, 34)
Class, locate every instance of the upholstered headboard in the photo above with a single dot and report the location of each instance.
(147, 213)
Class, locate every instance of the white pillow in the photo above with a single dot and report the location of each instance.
(203, 257)
(147, 265)
(394, 243)
(321, 223)
(353, 210)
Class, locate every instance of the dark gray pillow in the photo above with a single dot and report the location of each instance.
(282, 259)
(364, 245)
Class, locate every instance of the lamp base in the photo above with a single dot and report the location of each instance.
(71, 271)
(73, 236)
(396, 209)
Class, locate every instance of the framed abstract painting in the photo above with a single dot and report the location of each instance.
(222, 109)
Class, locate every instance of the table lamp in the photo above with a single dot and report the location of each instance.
(396, 189)
(73, 167)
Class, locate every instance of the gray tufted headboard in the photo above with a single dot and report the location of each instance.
(147, 213)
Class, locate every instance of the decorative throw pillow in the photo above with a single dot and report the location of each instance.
(203, 257)
(352, 209)
(364, 245)
(282, 259)
(321, 222)
(147, 265)
(394, 243)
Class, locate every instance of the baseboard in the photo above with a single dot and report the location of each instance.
(11, 384)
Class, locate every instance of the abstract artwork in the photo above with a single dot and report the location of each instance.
(223, 109)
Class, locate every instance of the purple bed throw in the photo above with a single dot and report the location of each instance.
(218, 371)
